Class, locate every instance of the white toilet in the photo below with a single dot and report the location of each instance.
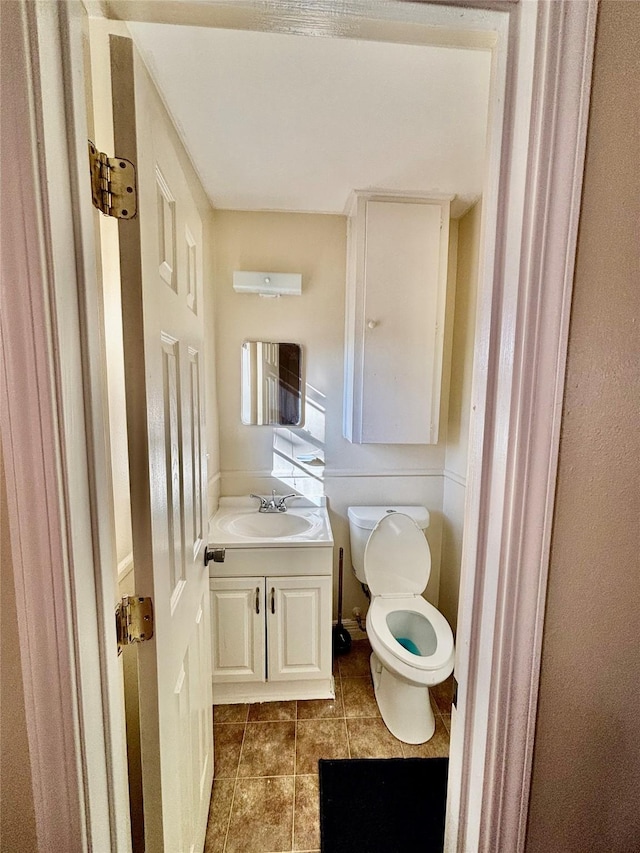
(411, 640)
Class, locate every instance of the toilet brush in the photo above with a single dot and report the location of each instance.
(341, 637)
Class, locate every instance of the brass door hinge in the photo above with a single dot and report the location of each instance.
(113, 184)
(134, 620)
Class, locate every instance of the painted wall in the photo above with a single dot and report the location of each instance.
(586, 767)
(17, 814)
(459, 402)
(257, 459)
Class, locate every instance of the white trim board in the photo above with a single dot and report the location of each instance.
(345, 474)
(125, 566)
(561, 71)
(454, 478)
(543, 52)
(54, 443)
(356, 632)
(335, 473)
(233, 693)
(394, 22)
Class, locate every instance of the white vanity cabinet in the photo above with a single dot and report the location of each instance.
(395, 314)
(271, 629)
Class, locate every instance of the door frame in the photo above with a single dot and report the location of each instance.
(544, 51)
(53, 413)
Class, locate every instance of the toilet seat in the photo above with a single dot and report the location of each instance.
(382, 606)
(397, 559)
(397, 565)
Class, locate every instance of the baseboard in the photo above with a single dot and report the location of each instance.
(232, 693)
(352, 627)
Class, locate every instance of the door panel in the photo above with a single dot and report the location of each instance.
(201, 753)
(238, 635)
(196, 450)
(161, 273)
(171, 404)
(402, 249)
(298, 627)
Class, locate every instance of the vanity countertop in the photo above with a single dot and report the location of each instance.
(238, 524)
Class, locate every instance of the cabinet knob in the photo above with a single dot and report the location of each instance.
(372, 324)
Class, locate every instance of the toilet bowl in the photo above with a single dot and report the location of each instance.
(412, 642)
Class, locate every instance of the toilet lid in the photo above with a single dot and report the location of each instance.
(397, 559)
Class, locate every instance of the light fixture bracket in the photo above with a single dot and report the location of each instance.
(268, 283)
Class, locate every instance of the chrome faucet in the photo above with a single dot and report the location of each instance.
(276, 503)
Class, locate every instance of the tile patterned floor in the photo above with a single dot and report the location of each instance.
(265, 791)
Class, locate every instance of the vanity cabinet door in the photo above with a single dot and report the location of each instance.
(299, 628)
(237, 629)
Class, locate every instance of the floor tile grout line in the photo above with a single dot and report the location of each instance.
(346, 733)
(295, 768)
(235, 784)
(273, 776)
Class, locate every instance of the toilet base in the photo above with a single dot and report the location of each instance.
(405, 708)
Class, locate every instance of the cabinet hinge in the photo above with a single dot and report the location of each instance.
(134, 620)
(113, 184)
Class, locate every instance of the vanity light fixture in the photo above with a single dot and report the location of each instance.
(268, 283)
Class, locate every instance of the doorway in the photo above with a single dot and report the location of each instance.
(580, 30)
(417, 474)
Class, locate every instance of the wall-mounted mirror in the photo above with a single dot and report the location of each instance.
(272, 383)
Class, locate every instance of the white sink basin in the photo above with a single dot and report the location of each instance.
(238, 523)
(257, 525)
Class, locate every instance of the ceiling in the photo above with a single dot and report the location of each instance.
(292, 123)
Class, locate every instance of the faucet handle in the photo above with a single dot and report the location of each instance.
(281, 501)
(263, 502)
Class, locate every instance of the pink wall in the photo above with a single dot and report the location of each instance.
(17, 815)
(37, 699)
(586, 775)
(17, 812)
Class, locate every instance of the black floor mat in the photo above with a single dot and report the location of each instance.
(383, 805)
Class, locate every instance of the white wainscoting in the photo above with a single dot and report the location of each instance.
(213, 493)
(453, 509)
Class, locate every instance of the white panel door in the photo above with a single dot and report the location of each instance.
(238, 629)
(161, 256)
(299, 627)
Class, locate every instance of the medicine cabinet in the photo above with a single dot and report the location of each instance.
(395, 316)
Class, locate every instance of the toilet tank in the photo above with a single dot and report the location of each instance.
(362, 520)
